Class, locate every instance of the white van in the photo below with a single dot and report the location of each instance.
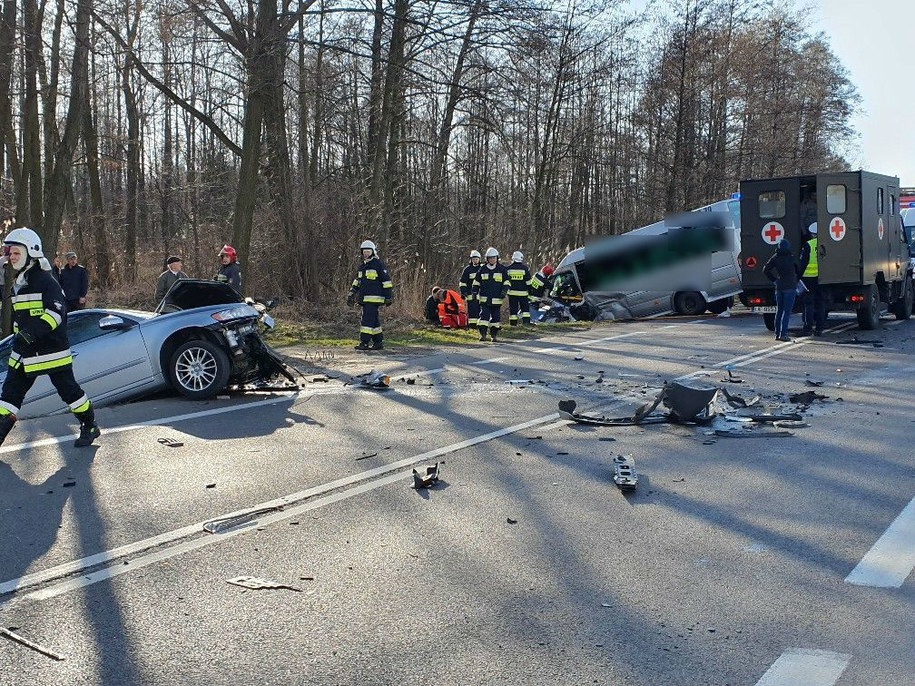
(588, 281)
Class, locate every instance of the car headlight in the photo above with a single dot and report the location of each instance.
(239, 312)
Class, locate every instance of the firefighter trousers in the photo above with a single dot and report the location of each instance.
(370, 332)
(518, 310)
(473, 311)
(490, 317)
(18, 383)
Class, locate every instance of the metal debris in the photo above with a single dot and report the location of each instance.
(731, 433)
(21, 640)
(624, 475)
(738, 401)
(427, 478)
(258, 584)
(169, 442)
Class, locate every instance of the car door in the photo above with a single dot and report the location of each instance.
(107, 363)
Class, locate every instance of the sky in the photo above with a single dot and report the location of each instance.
(874, 40)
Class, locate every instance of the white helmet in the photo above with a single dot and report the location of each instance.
(475, 253)
(812, 228)
(369, 245)
(28, 239)
(492, 252)
(517, 256)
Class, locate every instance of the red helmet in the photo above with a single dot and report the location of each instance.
(547, 270)
(230, 251)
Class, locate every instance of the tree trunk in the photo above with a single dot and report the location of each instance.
(29, 198)
(7, 38)
(97, 209)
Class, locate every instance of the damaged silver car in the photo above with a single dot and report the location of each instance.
(202, 338)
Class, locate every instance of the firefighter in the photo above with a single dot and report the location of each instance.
(490, 287)
(40, 344)
(519, 310)
(229, 269)
(541, 283)
(466, 287)
(374, 288)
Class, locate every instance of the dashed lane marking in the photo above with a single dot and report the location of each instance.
(799, 666)
(890, 561)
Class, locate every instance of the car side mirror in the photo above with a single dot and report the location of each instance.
(112, 323)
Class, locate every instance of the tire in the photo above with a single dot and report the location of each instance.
(719, 306)
(902, 308)
(869, 315)
(199, 369)
(689, 303)
(769, 320)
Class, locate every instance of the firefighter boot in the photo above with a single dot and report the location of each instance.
(492, 334)
(483, 330)
(6, 425)
(88, 429)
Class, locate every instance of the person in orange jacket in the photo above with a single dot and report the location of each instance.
(452, 310)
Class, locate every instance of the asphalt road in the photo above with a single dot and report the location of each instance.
(754, 560)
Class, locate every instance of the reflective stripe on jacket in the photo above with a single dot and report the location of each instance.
(492, 284)
(373, 283)
(520, 277)
(39, 311)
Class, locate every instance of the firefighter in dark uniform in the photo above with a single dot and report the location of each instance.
(490, 287)
(40, 344)
(229, 269)
(373, 287)
(466, 288)
(519, 311)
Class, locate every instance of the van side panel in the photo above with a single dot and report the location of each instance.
(840, 253)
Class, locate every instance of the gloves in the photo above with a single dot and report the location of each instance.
(351, 299)
(388, 302)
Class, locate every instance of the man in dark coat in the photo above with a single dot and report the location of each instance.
(74, 280)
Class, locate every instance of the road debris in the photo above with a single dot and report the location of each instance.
(806, 398)
(790, 424)
(378, 381)
(366, 456)
(811, 382)
(511, 521)
(624, 475)
(861, 341)
(738, 401)
(213, 485)
(169, 442)
(21, 640)
(733, 433)
(70, 483)
(427, 478)
(257, 584)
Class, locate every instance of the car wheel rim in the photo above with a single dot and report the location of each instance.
(196, 369)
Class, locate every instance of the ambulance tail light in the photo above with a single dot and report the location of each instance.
(757, 301)
(856, 298)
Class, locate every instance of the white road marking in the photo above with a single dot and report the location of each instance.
(890, 561)
(801, 667)
(284, 502)
(491, 360)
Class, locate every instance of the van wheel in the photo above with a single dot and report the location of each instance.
(869, 314)
(769, 320)
(902, 308)
(719, 306)
(689, 303)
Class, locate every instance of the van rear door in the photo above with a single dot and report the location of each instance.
(839, 228)
(768, 213)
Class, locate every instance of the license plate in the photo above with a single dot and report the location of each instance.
(769, 309)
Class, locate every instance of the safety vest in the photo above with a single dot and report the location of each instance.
(813, 266)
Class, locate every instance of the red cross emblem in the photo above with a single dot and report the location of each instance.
(773, 232)
(837, 229)
(880, 228)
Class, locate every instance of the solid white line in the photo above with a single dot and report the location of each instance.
(284, 502)
(800, 667)
(176, 418)
(892, 558)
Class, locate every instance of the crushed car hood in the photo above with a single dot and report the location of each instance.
(186, 294)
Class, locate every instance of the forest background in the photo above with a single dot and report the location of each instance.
(294, 130)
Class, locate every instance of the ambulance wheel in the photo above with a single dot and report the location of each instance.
(199, 369)
(769, 320)
(869, 315)
(902, 308)
(689, 303)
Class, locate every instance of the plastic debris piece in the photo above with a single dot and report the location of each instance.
(21, 640)
(790, 424)
(366, 456)
(211, 485)
(624, 475)
(738, 401)
(730, 433)
(511, 521)
(257, 584)
(69, 484)
(806, 398)
(811, 382)
(169, 442)
(376, 381)
(427, 477)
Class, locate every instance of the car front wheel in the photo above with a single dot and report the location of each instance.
(199, 369)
